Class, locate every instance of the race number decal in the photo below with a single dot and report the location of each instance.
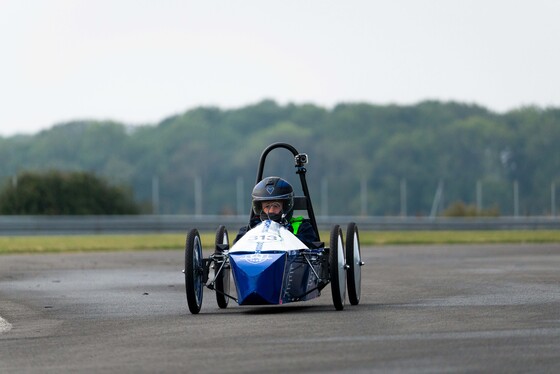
(265, 238)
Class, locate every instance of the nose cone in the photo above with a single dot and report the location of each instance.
(258, 277)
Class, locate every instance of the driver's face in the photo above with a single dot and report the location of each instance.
(272, 207)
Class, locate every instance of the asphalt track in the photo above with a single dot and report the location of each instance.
(427, 309)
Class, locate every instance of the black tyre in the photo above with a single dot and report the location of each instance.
(337, 268)
(194, 271)
(223, 278)
(354, 261)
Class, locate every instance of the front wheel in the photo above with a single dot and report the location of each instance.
(194, 271)
(337, 267)
(222, 276)
(354, 260)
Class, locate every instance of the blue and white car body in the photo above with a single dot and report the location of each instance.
(270, 265)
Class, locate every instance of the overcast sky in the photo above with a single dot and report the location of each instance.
(139, 61)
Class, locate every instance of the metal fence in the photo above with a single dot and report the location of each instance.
(63, 225)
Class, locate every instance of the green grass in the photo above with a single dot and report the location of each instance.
(93, 243)
(459, 237)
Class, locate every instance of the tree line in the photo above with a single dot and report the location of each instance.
(364, 153)
(64, 193)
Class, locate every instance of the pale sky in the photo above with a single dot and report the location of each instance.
(140, 61)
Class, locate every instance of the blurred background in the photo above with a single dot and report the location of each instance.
(405, 108)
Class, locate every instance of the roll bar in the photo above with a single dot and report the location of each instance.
(300, 160)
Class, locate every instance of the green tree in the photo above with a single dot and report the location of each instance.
(382, 145)
(64, 193)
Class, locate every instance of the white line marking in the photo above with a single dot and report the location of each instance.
(4, 325)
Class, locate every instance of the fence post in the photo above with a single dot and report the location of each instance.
(155, 194)
(553, 199)
(437, 199)
(478, 196)
(364, 196)
(198, 196)
(240, 202)
(516, 198)
(403, 198)
(324, 196)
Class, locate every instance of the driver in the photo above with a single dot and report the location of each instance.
(273, 199)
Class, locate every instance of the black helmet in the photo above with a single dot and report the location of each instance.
(273, 189)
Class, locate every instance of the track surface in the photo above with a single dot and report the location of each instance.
(423, 310)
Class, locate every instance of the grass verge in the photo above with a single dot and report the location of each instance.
(93, 243)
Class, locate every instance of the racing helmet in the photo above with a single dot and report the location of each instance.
(273, 189)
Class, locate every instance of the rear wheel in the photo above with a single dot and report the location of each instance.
(223, 278)
(194, 271)
(354, 260)
(337, 267)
